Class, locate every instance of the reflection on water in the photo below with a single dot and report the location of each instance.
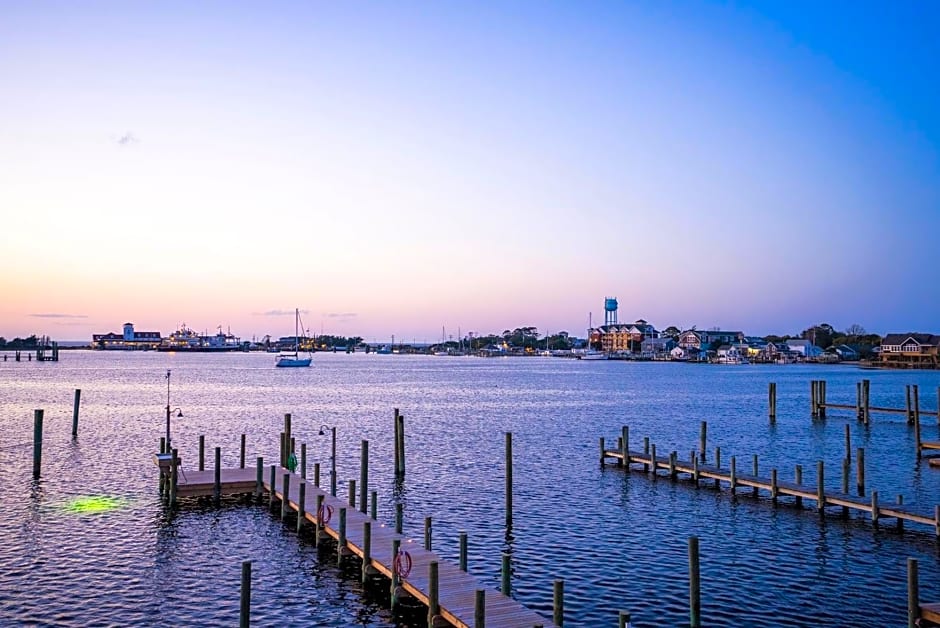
(618, 540)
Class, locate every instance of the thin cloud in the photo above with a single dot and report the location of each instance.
(342, 315)
(127, 139)
(53, 315)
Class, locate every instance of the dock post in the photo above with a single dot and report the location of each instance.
(78, 398)
(858, 401)
(820, 487)
(866, 390)
(695, 473)
(462, 555)
(401, 444)
(174, 476)
(316, 474)
(917, 421)
(755, 475)
(734, 474)
(163, 445)
(907, 404)
(703, 431)
(397, 452)
(504, 587)
(558, 602)
(900, 521)
(773, 486)
(217, 476)
(202, 452)
(301, 505)
(244, 614)
(366, 550)
(717, 465)
(601, 453)
(163, 475)
(395, 583)
(625, 444)
(624, 621)
(845, 484)
(672, 465)
(936, 521)
(913, 594)
(479, 608)
(860, 470)
(287, 437)
(399, 516)
(646, 452)
(509, 476)
(273, 494)
(822, 399)
(282, 457)
(427, 533)
(772, 402)
(37, 442)
(241, 453)
(341, 541)
(352, 493)
(333, 461)
(848, 444)
(321, 511)
(434, 608)
(375, 505)
(364, 478)
(285, 495)
(695, 595)
(875, 513)
(812, 398)
(798, 472)
(653, 458)
(303, 460)
(259, 477)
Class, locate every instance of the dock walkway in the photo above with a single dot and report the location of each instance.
(456, 589)
(697, 472)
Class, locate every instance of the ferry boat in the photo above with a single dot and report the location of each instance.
(185, 339)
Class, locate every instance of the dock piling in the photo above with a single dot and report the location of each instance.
(399, 516)
(558, 602)
(601, 447)
(316, 474)
(848, 443)
(375, 506)
(366, 550)
(434, 608)
(504, 587)
(772, 402)
(755, 474)
(285, 492)
(174, 476)
(860, 470)
(695, 596)
(396, 577)
(259, 477)
(625, 444)
(37, 442)
(822, 399)
(427, 533)
(479, 608)
(244, 614)
(321, 513)
(798, 479)
(820, 487)
(913, 594)
(302, 506)
(734, 474)
(624, 619)
(217, 476)
(509, 477)
(202, 452)
(303, 460)
(703, 431)
(341, 541)
(241, 453)
(364, 478)
(75, 405)
(462, 552)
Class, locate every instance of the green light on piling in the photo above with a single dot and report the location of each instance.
(94, 504)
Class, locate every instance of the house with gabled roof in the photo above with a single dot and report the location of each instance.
(910, 350)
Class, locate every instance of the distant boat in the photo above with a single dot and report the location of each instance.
(292, 358)
(591, 353)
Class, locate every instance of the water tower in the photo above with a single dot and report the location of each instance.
(610, 311)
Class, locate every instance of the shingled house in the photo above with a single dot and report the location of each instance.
(910, 350)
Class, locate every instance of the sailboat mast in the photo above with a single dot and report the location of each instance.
(296, 329)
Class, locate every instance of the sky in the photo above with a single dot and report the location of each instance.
(421, 168)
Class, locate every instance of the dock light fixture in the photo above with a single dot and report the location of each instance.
(179, 413)
(332, 456)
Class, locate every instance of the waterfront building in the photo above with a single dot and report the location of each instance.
(703, 340)
(626, 337)
(128, 340)
(910, 350)
(804, 348)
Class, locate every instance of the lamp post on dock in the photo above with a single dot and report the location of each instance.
(179, 413)
(332, 456)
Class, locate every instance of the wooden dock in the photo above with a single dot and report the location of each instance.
(697, 472)
(457, 590)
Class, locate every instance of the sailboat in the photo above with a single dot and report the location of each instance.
(592, 353)
(293, 358)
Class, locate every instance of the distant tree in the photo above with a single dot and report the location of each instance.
(672, 332)
(855, 331)
(820, 335)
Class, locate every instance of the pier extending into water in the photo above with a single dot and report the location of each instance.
(696, 470)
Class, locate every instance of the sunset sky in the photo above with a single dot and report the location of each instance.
(396, 168)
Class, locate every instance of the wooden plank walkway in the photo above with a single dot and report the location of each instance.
(456, 588)
(697, 472)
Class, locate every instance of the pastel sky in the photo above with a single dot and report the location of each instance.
(396, 168)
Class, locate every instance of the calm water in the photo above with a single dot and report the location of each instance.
(619, 541)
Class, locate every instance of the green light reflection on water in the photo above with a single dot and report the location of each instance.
(94, 504)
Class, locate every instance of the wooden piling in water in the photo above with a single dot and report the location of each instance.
(217, 476)
(364, 478)
(916, 420)
(479, 608)
(858, 401)
(913, 594)
(352, 493)
(399, 517)
(375, 506)
(244, 610)
(272, 496)
(174, 476)
(241, 453)
(341, 541)
(703, 431)
(860, 470)
(755, 474)
(558, 602)
(866, 392)
(366, 550)
(695, 595)
(798, 479)
(282, 456)
(259, 477)
(813, 411)
(822, 399)
(427, 533)
(773, 486)
(845, 484)
(285, 491)
(672, 466)
(395, 582)
(287, 437)
(504, 575)
(875, 512)
(509, 479)
(848, 444)
(400, 421)
(717, 465)
(734, 473)
(462, 551)
(316, 474)
(646, 452)
(321, 513)
(601, 449)
(820, 487)
(653, 458)
(772, 402)
(302, 505)
(202, 452)
(625, 443)
(900, 522)
(303, 461)
(434, 608)
(624, 619)
(75, 405)
(37, 442)
(907, 404)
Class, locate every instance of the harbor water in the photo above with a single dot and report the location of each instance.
(91, 543)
